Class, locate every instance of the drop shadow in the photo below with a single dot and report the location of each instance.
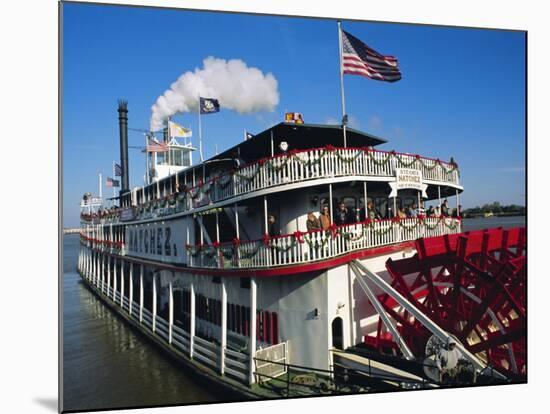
(49, 403)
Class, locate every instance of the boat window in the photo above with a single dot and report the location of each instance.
(275, 328)
(245, 282)
(260, 326)
(238, 319)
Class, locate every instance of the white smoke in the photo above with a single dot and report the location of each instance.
(232, 82)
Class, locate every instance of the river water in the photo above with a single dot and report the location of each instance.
(492, 222)
(108, 365)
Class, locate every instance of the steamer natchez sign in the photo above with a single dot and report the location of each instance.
(407, 178)
(161, 241)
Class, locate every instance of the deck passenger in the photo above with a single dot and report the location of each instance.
(457, 213)
(273, 226)
(324, 218)
(373, 213)
(445, 209)
(344, 215)
(447, 360)
(312, 222)
(401, 213)
(430, 212)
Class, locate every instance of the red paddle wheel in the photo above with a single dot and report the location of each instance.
(472, 285)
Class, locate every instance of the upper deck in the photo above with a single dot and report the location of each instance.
(225, 179)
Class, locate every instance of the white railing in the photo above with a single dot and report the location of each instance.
(306, 247)
(293, 167)
(271, 362)
(206, 352)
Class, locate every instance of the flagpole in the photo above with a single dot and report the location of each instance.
(100, 192)
(114, 177)
(200, 131)
(342, 82)
(146, 159)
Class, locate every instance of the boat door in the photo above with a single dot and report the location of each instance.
(338, 333)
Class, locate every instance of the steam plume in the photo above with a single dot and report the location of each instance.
(237, 87)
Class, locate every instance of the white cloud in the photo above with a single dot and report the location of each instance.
(375, 122)
(237, 87)
(331, 121)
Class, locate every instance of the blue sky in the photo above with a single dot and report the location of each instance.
(462, 92)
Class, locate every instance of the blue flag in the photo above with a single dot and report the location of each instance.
(209, 106)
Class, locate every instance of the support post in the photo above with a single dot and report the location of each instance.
(108, 276)
(439, 196)
(217, 228)
(154, 302)
(266, 231)
(330, 204)
(252, 333)
(131, 288)
(141, 293)
(192, 321)
(103, 257)
(365, 198)
(457, 204)
(170, 310)
(236, 222)
(223, 339)
(114, 279)
(122, 284)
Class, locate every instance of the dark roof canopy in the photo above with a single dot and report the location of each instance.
(298, 136)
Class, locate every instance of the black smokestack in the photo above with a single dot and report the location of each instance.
(123, 127)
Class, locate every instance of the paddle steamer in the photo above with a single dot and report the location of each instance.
(192, 261)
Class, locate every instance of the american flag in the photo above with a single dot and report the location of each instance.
(118, 170)
(112, 183)
(359, 59)
(153, 146)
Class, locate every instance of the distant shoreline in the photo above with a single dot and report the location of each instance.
(495, 215)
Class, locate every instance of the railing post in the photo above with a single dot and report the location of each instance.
(252, 333)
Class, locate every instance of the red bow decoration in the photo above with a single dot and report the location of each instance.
(333, 229)
(216, 244)
(330, 148)
(298, 236)
(236, 242)
(265, 239)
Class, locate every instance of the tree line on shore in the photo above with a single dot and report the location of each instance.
(496, 209)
